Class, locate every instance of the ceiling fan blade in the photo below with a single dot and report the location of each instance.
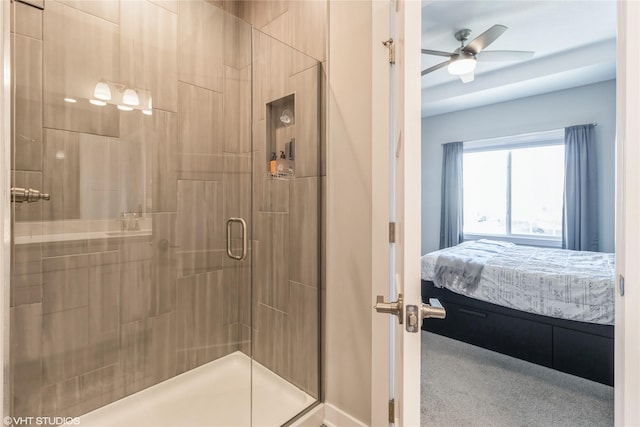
(466, 78)
(436, 52)
(504, 55)
(485, 39)
(435, 67)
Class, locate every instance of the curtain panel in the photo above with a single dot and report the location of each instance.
(580, 205)
(451, 195)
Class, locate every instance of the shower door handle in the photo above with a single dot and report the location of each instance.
(243, 225)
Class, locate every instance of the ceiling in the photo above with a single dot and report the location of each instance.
(573, 41)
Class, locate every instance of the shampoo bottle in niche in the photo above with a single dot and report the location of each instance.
(273, 163)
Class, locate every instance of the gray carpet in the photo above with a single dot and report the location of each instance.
(464, 385)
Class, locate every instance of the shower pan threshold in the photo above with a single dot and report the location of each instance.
(220, 393)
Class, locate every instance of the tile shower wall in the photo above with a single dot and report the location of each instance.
(301, 24)
(96, 319)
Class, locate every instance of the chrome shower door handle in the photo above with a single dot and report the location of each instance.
(243, 225)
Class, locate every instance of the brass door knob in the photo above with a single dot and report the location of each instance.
(394, 308)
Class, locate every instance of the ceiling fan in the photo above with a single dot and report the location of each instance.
(462, 61)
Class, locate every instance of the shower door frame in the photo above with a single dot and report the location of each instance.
(5, 209)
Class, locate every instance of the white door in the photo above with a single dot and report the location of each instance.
(403, 158)
(627, 342)
(408, 202)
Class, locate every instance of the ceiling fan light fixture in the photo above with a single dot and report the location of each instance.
(463, 65)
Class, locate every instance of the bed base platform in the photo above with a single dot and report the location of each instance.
(578, 348)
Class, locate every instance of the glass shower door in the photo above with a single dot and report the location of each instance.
(134, 118)
(286, 194)
(166, 225)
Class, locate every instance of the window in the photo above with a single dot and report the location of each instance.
(514, 189)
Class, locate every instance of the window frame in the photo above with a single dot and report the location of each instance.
(508, 143)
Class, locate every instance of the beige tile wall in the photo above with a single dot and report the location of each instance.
(28, 101)
(61, 174)
(301, 24)
(200, 44)
(96, 320)
(148, 51)
(81, 49)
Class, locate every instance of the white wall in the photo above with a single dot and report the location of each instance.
(555, 110)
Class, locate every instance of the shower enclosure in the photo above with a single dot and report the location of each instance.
(166, 219)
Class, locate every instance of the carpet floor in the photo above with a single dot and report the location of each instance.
(465, 385)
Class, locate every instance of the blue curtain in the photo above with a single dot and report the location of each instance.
(580, 207)
(451, 195)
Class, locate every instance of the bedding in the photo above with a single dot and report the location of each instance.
(572, 285)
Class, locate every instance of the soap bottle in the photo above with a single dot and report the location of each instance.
(282, 164)
(273, 163)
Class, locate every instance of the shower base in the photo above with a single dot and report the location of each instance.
(220, 393)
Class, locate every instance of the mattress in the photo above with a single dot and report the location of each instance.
(572, 285)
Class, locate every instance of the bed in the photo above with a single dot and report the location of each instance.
(552, 307)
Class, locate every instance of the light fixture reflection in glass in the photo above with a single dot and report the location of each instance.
(130, 97)
(124, 108)
(97, 102)
(286, 117)
(70, 100)
(59, 155)
(102, 91)
(149, 110)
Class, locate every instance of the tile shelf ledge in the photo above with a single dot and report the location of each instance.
(280, 175)
(71, 230)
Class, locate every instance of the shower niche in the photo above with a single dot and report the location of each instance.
(281, 137)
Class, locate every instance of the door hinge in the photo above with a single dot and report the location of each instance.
(392, 232)
(621, 282)
(392, 50)
(392, 411)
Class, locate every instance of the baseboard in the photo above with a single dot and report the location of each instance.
(335, 417)
(313, 418)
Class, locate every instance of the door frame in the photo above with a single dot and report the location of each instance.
(627, 343)
(380, 212)
(408, 205)
(406, 15)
